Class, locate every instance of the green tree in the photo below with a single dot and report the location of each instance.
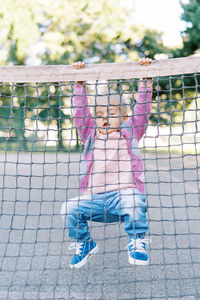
(191, 36)
(149, 45)
(60, 32)
(51, 110)
(5, 113)
(63, 31)
(191, 44)
(15, 104)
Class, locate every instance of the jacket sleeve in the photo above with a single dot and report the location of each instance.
(83, 118)
(141, 113)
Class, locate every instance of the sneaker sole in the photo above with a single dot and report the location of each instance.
(84, 261)
(138, 262)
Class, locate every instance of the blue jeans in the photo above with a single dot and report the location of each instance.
(128, 206)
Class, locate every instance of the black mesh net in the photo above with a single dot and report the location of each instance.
(49, 137)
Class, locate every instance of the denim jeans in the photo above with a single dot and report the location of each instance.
(127, 205)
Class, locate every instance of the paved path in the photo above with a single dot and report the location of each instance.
(34, 253)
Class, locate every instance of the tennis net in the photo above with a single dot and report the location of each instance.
(40, 156)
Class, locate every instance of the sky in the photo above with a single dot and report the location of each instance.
(162, 15)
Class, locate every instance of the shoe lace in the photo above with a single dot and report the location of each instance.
(77, 246)
(138, 244)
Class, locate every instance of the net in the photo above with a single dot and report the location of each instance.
(41, 159)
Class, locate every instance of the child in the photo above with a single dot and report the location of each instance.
(111, 174)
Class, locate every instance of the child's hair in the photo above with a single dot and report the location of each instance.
(113, 99)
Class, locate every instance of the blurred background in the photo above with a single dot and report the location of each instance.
(59, 32)
(63, 31)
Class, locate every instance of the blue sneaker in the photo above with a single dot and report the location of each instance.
(137, 251)
(83, 250)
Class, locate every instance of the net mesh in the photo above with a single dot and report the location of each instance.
(40, 156)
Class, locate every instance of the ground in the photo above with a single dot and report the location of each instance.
(34, 245)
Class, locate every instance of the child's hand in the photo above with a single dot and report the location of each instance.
(145, 61)
(79, 65)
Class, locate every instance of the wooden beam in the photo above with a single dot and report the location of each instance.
(104, 71)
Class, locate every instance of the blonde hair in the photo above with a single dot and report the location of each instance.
(113, 99)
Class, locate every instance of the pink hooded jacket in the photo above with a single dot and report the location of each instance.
(132, 130)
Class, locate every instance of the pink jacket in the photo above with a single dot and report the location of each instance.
(132, 130)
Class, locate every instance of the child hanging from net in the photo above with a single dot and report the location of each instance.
(111, 173)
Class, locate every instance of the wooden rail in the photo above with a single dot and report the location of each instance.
(104, 71)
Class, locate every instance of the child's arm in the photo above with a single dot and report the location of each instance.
(83, 118)
(142, 110)
(141, 113)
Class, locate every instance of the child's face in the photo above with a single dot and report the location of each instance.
(108, 118)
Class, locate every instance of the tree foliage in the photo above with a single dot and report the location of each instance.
(60, 32)
(191, 36)
(63, 31)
